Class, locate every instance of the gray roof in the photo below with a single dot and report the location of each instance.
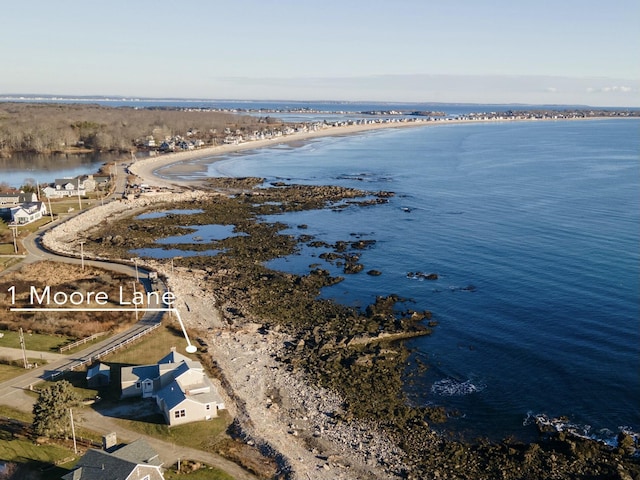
(140, 372)
(139, 452)
(119, 465)
(98, 369)
(172, 395)
(99, 465)
(64, 181)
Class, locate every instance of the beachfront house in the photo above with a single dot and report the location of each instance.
(179, 385)
(135, 461)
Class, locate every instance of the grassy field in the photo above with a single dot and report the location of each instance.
(34, 341)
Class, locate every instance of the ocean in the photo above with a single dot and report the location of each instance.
(533, 231)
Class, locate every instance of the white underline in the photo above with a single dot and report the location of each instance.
(43, 309)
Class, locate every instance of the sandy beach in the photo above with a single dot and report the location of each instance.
(145, 168)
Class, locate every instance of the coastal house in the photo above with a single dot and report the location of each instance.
(14, 198)
(69, 187)
(27, 213)
(101, 180)
(179, 385)
(135, 461)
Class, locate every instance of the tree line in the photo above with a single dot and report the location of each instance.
(64, 128)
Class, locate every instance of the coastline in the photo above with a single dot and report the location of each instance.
(246, 356)
(146, 168)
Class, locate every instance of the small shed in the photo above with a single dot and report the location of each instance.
(99, 375)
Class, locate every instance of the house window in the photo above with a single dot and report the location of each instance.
(138, 385)
(179, 413)
(208, 406)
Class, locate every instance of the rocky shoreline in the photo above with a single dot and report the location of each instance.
(315, 384)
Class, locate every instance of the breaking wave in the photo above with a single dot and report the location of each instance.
(546, 424)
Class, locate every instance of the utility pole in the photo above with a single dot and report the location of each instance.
(135, 304)
(50, 209)
(135, 261)
(82, 242)
(14, 229)
(24, 352)
(73, 432)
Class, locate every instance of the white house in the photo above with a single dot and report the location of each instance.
(182, 390)
(28, 212)
(69, 187)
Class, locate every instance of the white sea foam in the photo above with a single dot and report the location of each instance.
(450, 387)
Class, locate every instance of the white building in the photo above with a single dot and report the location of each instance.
(27, 213)
(179, 385)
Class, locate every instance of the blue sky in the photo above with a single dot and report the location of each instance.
(525, 51)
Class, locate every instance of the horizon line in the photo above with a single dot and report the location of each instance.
(116, 98)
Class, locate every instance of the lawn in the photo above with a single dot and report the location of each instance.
(34, 341)
(152, 347)
(195, 471)
(16, 414)
(35, 460)
(7, 249)
(7, 372)
(199, 435)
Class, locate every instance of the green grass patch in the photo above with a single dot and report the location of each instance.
(17, 450)
(34, 341)
(25, 451)
(7, 372)
(6, 262)
(79, 381)
(152, 347)
(7, 249)
(9, 412)
(196, 471)
(199, 435)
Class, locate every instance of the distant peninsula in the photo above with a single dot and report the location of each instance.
(49, 127)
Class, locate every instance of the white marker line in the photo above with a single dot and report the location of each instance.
(36, 309)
